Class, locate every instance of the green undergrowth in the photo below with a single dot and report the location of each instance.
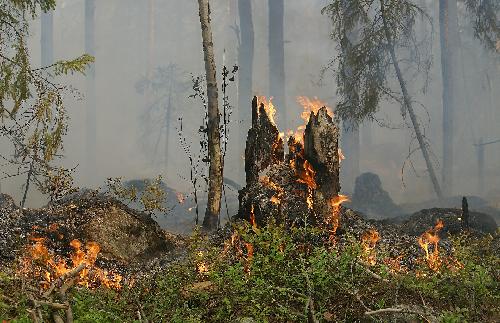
(275, 275)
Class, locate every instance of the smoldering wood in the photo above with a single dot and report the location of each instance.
(275, 186)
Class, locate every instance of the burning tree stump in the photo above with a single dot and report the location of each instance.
(264, 147)
(298, 188)
(321, 149)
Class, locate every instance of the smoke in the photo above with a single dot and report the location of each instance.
(122, 54)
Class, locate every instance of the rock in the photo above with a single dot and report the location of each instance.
(371, 199)
(476, 204)
(123, 234)
(421, 221)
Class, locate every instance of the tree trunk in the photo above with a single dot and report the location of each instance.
(90, 98)
(47, 38)
(448, 27)
(245, 73)
(408, 104)
(277, 59)
(350, 149)
(214, 150)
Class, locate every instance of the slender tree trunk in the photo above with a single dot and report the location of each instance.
(350, 149)
(245, 73)
(91, 122)
(47, 38)
(408, 105)
(448, 27)
(277, 58)
(214, 149)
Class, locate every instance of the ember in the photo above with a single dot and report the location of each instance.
(368, 241)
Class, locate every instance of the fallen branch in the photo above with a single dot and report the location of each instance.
(72, 273)
(371, 273)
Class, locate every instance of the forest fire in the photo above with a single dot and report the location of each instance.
(368, 241)
(431, 237)
(40, 262)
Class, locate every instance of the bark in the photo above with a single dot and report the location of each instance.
(448, 27)
(263, 146)
(245, 73)
(321, 145)
(91, 114)
(214, 149)
(408, 104)
(47, 38)
(277, 58)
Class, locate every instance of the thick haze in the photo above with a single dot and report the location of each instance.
(125, 145)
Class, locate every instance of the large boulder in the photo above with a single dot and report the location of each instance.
(123, 234)
(371, 199)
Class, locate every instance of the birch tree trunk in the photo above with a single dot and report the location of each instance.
(448, 27)
(214, 150)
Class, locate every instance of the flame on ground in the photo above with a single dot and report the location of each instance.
(431, 237)
(39, 262)
(335, 204)
(369, 240)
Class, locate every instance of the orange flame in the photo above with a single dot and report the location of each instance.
(268, 107)
(431, 237)
(368, 241)
(252, 218)
(312, 105)
(40, 262)
(335, 204)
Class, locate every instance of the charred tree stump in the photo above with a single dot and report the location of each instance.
(298, 189)
(321, 149)
(264, 148)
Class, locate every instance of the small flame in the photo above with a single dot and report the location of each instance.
(268, 107)
(312, 105)
(368, 241)
(335, 204)
(252, 217)
(431, 237)
(341, 155)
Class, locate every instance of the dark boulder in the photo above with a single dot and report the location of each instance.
(371, 199)
(421, 221)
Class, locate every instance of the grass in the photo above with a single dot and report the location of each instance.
(274, 275)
